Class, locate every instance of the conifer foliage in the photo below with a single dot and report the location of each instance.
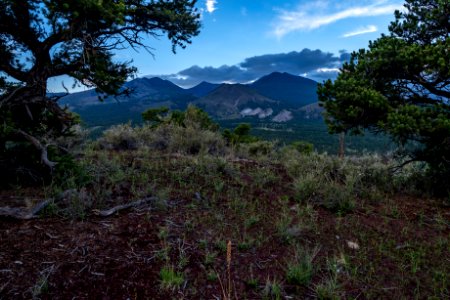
(44, 39)
(400, 85)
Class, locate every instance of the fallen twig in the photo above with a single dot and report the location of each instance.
(23, 213)
(109, 212)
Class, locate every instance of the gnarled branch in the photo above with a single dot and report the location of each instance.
(41, 147)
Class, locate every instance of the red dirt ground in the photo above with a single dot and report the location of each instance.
(116, 258)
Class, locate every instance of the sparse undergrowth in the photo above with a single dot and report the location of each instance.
(302, 225)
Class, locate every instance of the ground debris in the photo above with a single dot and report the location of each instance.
(111, 211)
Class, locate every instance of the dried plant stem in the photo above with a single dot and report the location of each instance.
(229, 268)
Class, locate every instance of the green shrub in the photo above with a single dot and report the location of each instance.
(339, 198)
(193, 141)
(307, 187)
(283, 226)
(242, 129)
(240, 134)
(120, 137)
(70, 173)
(167, 137)
(299, 273)
(261, 148)
(327, 290)
(170, 279)
(197, 118)
(337, 183)
(191, 117)
(252, 283)
(301, 270)
(303, 147)
(272, 290)
(155, 116)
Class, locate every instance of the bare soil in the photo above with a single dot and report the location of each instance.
(401, 248)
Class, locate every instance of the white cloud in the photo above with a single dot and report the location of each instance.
(361, 30)
(314, 15)
(327, 70)
(211, 5)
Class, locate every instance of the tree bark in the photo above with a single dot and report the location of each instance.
(43, 148)
(341, 145)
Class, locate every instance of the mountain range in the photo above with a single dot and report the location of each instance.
(277, 97)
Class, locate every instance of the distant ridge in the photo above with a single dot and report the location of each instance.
(264, 99)
(293, 91)
(146, 93)
(156, 84)
(228, 100)
(144, 90)
(202, 89)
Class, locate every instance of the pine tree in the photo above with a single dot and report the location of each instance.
(400, 86)
(41, 39)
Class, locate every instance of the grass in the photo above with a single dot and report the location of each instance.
(289, 218)
(42, 287)
(272, 290)
(210, 258)
(170, 279)
(283, 227)
(300, 270)
(327, 290)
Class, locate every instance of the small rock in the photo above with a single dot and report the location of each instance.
(198, 196)
(352, 245)
(294, 231)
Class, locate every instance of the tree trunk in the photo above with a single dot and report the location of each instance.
(341, 145)
(32, 112)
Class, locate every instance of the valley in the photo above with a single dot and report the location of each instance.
(279, 107)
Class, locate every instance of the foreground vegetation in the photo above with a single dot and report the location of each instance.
(225, 220)
(176, 209)
(400, 86)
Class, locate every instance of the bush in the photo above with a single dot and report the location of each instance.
(69, 173)
(338, 183)
(194, 141)
(303, 147)
(191, 117)
(307, 187)
(339, 198)
(167, 137)
(240, 134)
(155, 116)
(120, 137)
(261, 148)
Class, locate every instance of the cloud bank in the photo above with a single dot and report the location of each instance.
(314, 64)
(362, 30)
(316, 14)
(211, 5)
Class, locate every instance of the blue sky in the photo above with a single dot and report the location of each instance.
(242, 40)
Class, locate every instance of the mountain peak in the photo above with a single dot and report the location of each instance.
(202, 89)
(227, 100)
(204, 83)
(293, 90)
(285, 76)
(155, 79)
(156, 83)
